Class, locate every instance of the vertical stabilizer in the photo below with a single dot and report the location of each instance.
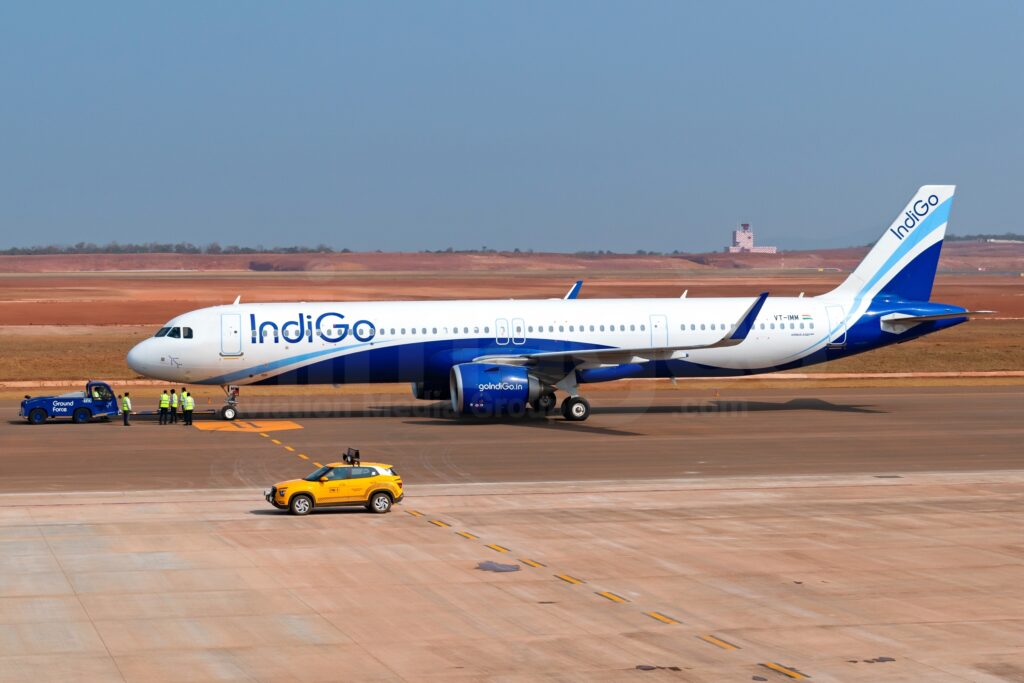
(903, 262)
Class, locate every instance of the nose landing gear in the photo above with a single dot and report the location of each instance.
(229, 411)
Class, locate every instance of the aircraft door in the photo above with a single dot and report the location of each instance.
(231, 334)
(501, 331)
(659, 331)
(518, 331)
(836, 321)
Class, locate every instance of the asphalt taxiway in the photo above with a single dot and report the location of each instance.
(769, 535)
(635, 433)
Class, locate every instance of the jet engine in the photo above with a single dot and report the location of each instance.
(489, 389)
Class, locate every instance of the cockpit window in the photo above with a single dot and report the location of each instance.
(162, 331)
(186, 333)
(175, 333)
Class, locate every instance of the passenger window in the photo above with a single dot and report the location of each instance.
(530, 328)
(423, 330)
(642, 328)
(812, 325)
(801, 326)
(570, 328)
(622, 328)
(339, 473)
(602, 328)
(487, 330)
(403, 330)
(561, 328)
(762, 326)
(186, 332)
(591, 328)
(434, 331)
(175, 333)
(702, 326)
(162, 332)
(465, 330)
(412, 330)
(772, 326)
(551, 328)
(476, 330)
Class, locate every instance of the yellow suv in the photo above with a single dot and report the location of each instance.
(373, 485)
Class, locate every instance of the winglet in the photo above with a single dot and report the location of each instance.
(748, 319)
(574, 291)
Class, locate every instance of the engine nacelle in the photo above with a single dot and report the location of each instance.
(488, 389)
(432, 391)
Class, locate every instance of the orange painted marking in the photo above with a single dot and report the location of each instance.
(725, 645)
(466, 534)
(531, 563)
(569, 579)
(437, 522)
(661, 617)
(608, 595)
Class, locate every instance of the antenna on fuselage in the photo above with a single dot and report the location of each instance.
(237, 300)
(683, 295)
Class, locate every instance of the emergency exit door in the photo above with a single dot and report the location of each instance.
(231, 334)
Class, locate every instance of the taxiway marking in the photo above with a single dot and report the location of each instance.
(661, 617)
(725, 645)
(783, 670)
(569, 579)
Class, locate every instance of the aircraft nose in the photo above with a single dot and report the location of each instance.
(138, 359)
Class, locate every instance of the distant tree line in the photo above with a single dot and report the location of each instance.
(163, 248)
(983, 237)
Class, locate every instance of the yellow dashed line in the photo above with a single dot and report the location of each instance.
(466, 534)
(611, 596)
(569, 579)
(275, 441)
(498, 548)
(437, 522)
(289, 448)
(415, 513)
(317, 464)
(783, 670)
(265, 435)
(303, 456)
(531, 563)
(719, 642)
(661, 617)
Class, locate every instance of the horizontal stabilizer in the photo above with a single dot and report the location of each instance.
(896, 323)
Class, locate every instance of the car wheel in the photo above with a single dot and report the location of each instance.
(81, 416)
(37, 416)
(300, 505)
(380, 503)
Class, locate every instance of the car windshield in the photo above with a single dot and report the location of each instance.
(319, 472)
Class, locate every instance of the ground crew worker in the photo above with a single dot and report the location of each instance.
(188, 407)
(126, 408)
(174, 407)
(182, 401)
(165, 406)
(95, 394)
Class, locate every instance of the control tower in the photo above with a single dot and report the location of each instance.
(743, 242)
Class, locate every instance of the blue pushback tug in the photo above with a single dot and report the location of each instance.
(97, 401)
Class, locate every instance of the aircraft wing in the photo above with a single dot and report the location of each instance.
(616, 356)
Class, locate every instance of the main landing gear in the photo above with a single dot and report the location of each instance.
(229, 411)
(575, 408)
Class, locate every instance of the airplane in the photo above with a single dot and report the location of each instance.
(504, 357)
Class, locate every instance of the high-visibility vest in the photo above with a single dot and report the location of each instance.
(126, 404)
(190, 402)
(165, 401)
(174, 400)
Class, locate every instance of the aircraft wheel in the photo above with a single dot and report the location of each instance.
(544, 403)
(575, 409)
(228, 413)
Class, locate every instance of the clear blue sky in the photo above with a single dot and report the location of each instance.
(545, 125)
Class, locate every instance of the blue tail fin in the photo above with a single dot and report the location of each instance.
(903, 262)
